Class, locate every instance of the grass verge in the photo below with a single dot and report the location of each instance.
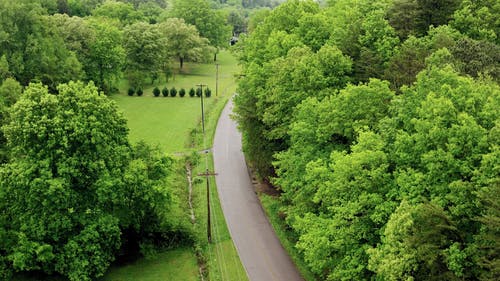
(272, 207)
(222, 257)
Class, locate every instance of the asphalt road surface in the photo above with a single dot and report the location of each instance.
(260, 250)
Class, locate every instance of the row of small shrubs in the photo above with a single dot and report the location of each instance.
(132, 91)
(172, 92)
(182, 92)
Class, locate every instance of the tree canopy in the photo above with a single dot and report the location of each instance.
(74, 189)
(378, 123)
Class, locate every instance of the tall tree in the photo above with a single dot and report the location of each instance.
(210, 23)
(183, 41)
(146, 49)
(74, 186)
(106, 54)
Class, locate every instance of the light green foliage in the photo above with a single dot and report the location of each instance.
(210, 23)
(184, 42)
(10, 91)
(123, 12)
(106, 54)
(74, 186)
(145, 49)
(436, 136)
(478, 20)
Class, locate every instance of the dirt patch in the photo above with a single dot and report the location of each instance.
(263, 186)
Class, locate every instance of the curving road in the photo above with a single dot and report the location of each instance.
(260, 250)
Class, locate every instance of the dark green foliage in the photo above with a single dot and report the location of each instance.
(199, 92)
(131, 91)
(139, 91)
(182, 92)
(413, 17)
(74, 185)
(156, 91)
(192, 92)
(173, 92)
(164, 91)
(208, 92)
(477, 58)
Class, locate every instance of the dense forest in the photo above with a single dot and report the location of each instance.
(379, 122)
(75, 194)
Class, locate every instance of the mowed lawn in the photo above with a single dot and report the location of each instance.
(159, 120)
(178, 264)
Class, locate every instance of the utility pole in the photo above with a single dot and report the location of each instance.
(207, 173)
(216, 79)
(202, 111)
(209, 229)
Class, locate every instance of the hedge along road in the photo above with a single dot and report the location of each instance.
(260, 250)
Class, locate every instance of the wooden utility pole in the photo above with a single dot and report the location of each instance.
(202, 111)
(209, 229)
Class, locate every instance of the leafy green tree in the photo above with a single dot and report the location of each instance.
(183, 41)
(32, 50)
(476, 58)
(74, 187)
(237, 20)
(145, 48)
(210, 23)
(123, 12)
(106, 55)
(414, 17)
(414, 244)
(83, 8)
(478, 20)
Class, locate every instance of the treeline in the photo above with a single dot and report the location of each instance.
(55, 42)
(379, 122)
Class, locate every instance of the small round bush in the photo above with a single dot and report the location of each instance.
(140, 92)
(208, 92)
(131, 91)
(182, 92)
(173, 92)
(191, 92)
(199, 92)
(164, 92)
(156, 92)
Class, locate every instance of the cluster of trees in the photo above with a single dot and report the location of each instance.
(382, 132)
(55, 42)
(74, 193)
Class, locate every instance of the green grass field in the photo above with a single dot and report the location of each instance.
(178, 264)
(168, 121)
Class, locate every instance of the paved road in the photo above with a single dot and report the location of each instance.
(260, 250)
